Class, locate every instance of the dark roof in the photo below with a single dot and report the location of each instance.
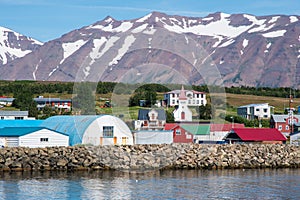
(256, 134)
(143, 114)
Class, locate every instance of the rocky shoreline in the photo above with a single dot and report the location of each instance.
(150, 157)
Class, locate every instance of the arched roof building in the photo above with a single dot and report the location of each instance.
(91, 129)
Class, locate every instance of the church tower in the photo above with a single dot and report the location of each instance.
(182, 113)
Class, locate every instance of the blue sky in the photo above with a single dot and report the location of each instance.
(49, 19)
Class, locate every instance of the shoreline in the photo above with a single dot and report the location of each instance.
(150, 157)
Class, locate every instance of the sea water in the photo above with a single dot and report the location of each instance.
(165, 184)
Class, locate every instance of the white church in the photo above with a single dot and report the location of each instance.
(182, 113)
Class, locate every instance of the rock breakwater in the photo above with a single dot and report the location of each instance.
(148, 157)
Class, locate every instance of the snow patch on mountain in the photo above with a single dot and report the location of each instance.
(227, 43)
(129, 40)
(274, 34)
(35, 70)
(293, 19)
(71, 47)
(124, 26)
(144, 18)
(274, 19)
(7, 51)
(245, 43)
(139, 28)
(220, 27)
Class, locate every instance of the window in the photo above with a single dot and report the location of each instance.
(287, 127)
(265, 110)
(108, 131)
(178, 132)
(2, 117)
(257, 109)
(188, 137)
(19, 118)
(182, 115)
(280, 127)
(44, 139)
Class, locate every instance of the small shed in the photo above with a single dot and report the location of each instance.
(91, 129)
(32, 137)
(255, 135)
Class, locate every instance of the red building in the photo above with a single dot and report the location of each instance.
(180, 135)
(255, 135)
(283, 123)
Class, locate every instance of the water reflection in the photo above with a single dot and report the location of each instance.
(167, 184)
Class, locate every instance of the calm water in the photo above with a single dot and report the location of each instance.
(173, 184)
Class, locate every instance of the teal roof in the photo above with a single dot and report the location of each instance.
(196, 129)
(20, 123)
(73, 126)
(19, 131)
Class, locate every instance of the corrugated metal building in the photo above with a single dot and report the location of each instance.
(91, 129)
(32, 137)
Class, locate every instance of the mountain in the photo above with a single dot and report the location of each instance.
(237, 49)
(15, 45)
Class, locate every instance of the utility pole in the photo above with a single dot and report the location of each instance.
(291, 117)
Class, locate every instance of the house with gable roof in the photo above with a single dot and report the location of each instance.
(150, 119)
(255, 135)
(283, 122)
(32, 137)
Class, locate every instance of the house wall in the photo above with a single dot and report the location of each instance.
(94, 132)
(10, 141)
(218, 135)
(194, 100)
(183, 137)
(251, 112)
(153, 137)
(33, 140)
(295, 139)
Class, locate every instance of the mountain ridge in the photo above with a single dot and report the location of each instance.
(244, 49)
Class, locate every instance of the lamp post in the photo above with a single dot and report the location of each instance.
(232, 123)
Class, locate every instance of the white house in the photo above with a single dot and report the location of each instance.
(194, 98)
(255, 111)
(32, 137)
(182, 113)
(91, 129)
(14, 115)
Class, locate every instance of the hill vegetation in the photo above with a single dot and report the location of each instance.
(101, 94)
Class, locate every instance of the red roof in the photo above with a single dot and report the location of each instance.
(170, 126)
(259, 134)
(224, 127)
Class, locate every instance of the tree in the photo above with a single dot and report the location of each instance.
(24, 101)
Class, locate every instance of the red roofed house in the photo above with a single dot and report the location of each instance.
(180, 135)
(255, 135)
